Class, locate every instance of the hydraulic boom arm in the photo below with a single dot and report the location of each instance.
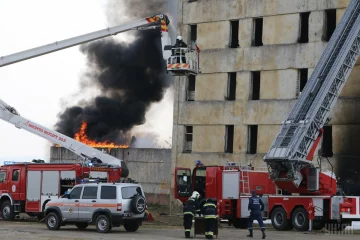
(145, 23)
(293, 148)
(10, 115)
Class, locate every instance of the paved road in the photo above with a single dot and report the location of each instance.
(32, 231)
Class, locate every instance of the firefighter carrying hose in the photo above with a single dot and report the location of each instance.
(209, 212)
(256, 206)
(189, 212)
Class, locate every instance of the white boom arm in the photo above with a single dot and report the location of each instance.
(145, 23)
(10, 115)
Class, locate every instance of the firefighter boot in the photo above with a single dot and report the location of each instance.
(263, 233)
(250, 233)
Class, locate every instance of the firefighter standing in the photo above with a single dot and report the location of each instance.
(209, 211)
(189, 212)
(256, 206)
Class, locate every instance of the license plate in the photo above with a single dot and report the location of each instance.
(127, 214)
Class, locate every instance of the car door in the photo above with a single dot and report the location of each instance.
(3, 186)
(70, 206)
(15, 183)
(88, 202)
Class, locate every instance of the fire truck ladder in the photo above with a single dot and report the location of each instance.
(291, 147)
(244, 179)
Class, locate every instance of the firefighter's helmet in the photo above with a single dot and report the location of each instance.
(195, 195)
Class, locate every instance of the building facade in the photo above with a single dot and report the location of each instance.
(256, 56)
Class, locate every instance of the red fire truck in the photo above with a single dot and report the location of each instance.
(27, 187)
(295, 191)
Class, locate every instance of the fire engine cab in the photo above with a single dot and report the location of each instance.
(27, 187)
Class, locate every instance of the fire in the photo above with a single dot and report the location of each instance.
(82, 137)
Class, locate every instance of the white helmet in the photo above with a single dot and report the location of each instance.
(179, 38)
(195, 195)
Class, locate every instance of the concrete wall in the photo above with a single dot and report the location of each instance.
(278, 60)
(149, 167)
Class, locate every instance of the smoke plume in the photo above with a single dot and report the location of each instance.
(129, 76)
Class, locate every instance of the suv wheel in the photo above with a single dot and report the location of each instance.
(131, 226)
(103, 224)
(138, 204)
(52, 221)
(82, 225)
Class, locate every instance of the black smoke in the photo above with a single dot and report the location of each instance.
(130, 77)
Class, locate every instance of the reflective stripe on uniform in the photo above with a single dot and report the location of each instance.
(209, 204)
(190, 213)
(209, 233)
(187, 230)
(209, 216)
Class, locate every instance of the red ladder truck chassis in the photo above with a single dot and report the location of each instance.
(27, 187)
(231, 187)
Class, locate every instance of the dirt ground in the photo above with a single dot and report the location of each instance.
(164, 227)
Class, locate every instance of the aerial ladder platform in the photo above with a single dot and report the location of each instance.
(293, 148)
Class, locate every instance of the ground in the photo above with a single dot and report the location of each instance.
(164, 227)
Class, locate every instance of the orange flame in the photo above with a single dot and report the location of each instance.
(82, 137)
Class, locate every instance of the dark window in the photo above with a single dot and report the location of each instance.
(2, 177)
(304, 27)
(326, 147)
(130, 192)
(188, 138)
(190, 88)
(330, 23)
(252, 138)
(108, 192)
(193, 33)
(75, 193)
(234, 34)
(229, 138)
(231, 86)
(255, 85)
(258, 32)
(15, 175)
(90, 192)
(303, 77)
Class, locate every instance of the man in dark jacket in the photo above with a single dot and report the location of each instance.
(209, 212)
(256, 206)
(189, 211)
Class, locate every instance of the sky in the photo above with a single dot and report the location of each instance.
(41, 87)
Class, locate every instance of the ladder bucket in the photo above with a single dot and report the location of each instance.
(183, 62)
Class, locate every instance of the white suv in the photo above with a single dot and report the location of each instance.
(103, 204)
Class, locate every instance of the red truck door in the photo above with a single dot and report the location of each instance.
(183, 185)
(3, 187)
(14, 186)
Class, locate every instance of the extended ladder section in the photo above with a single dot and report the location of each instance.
(289, 152)
(10, 115)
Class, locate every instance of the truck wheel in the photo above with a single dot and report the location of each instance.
(52, 221)
(103, 224)
(279, 221)
(82, 225)
(131, 226)
(7, 211)
(300, 219)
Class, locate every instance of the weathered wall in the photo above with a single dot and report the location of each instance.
(149, 167)
(279, 60)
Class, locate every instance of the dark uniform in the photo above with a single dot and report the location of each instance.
(189, 212)
(209, 211)
(256, 206)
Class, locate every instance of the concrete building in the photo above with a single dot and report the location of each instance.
(149, 167)
(256, 56)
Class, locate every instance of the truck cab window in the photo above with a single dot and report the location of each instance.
(75, 193)
(183, 180)
(2, 177)
(15, 175)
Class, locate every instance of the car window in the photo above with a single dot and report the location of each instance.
(129, 192)
(75, 193)
(90, 192)
(108, 192)
(2, 177)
